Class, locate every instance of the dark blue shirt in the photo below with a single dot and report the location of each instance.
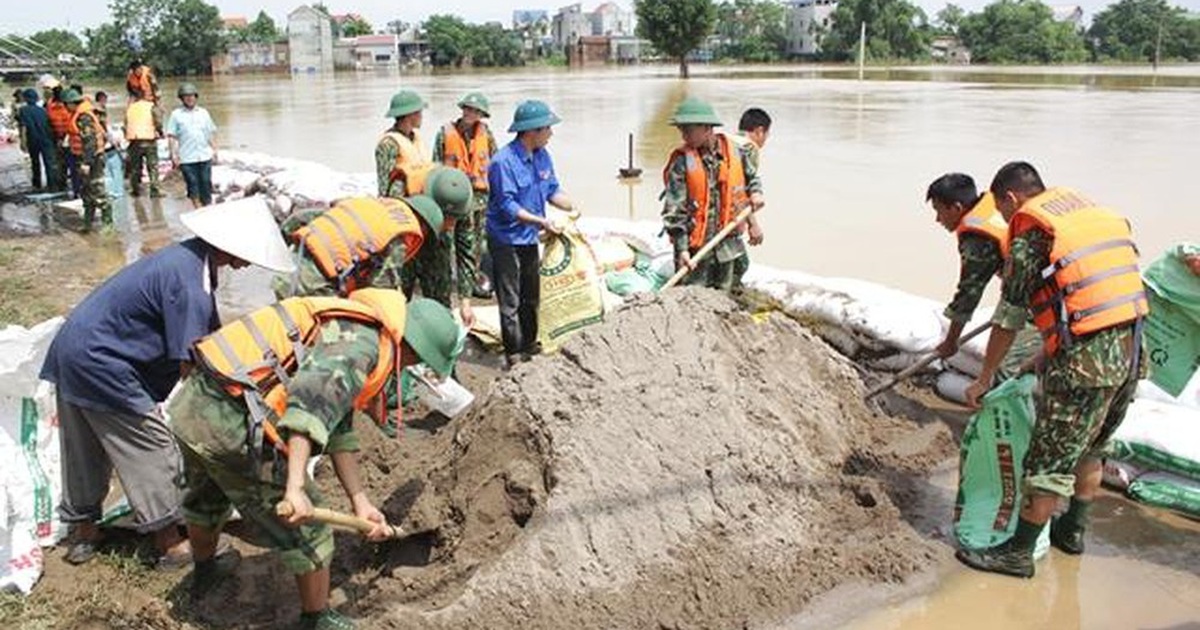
(121, 348)
(518, 179)
(36, 123)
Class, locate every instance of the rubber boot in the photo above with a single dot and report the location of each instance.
(1012, 557)
(327, 619)
(1066, 531)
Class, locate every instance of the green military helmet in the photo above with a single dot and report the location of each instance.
(72, 96)
(428, 210)
(693, 111)
(430, 330)
(477, 100)
(404, 103)
(187, 89)
(532, 115)
(451, 189)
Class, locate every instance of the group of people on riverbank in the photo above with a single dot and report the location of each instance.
(261, 394)
(71, 144)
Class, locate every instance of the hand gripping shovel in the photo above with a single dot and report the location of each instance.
(346, 521)
(922, 364)
(708, 247)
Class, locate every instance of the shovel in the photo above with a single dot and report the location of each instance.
(349, 522)
(923, 363)
(708, 247)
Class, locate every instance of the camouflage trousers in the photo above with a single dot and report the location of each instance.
(210, 427)
(725, 276)
(1073, 423)
(468, 242)
(143, 152)
(95, 196)
(432, 269)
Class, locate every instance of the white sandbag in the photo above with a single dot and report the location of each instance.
(1119, 474)
(880, 318)
(612, 253)
(1160, 436)
(1189, 397)
(952, 385)
(643, 236)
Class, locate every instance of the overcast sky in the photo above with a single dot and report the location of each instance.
(75, 15)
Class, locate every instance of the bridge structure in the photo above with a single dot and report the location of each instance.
(21, 59)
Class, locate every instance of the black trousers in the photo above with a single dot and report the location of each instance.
(518, 290)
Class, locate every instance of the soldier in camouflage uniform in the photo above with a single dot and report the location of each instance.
(433, 266)
(754, 128)
(1086, 387)
(90, 155)
(722, 269)
(468, 232)
(210, 426)
(384, 270)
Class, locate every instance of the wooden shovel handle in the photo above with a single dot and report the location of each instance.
(284, 509)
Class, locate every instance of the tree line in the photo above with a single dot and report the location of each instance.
(181, 36)
(1006, 31)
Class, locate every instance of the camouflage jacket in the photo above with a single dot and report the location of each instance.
(1101, 359)
(322, 391)
(87, 134)
(677, 216)
(980, 259)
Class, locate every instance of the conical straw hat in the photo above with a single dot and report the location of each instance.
(244, 228)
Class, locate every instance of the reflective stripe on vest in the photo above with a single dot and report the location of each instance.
(472, 160)
(84, 108)
(139, 121)
(412, 163)
(984, 219)
(346, 240)
(1092, 282)
(731, 178)
(257, 354)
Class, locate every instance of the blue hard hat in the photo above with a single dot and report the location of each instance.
(532, 115)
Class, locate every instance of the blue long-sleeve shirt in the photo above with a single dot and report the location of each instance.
(37, 125)
(518, 179)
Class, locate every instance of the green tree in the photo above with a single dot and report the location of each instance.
(262, 30)
(1020, 31)
(59, 41)
(676, 27)
(494, 46)
(896, 29)
(752, 30)
(948, 19)
(176, 36)
(1133, 30)
(450, 40)
(355, 26)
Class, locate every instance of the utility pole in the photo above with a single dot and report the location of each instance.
(1158, 44)
(862, 48)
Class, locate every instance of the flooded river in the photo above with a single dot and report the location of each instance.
(847, 163)
(845, 171)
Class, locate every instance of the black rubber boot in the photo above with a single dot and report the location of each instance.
(1066, 531)
(1012, 557)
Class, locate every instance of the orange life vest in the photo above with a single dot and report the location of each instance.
(731, 178)
(346, 240)
(984, 219)
(60, 118)
(85, 108)
(139, 121)
(1092, 282)
(473, 159)
(255, 356)
(412, 163)
(140, 78)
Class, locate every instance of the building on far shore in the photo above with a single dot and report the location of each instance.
(310, 40)
(806, 21)
(253, 57)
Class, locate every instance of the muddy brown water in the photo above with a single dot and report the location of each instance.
(845, 171)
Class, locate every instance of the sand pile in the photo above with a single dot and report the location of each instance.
(683, 465)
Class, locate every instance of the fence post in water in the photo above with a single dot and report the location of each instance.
(630, 171)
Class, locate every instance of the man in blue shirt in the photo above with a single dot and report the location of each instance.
(39, 139)
(192, 136)
(118, 356)
(521, 181)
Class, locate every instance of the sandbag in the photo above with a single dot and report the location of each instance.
(1169, 491)
(572, 291)
(991, 470)
(612, 254)
(1161, 436)
(630, 281)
